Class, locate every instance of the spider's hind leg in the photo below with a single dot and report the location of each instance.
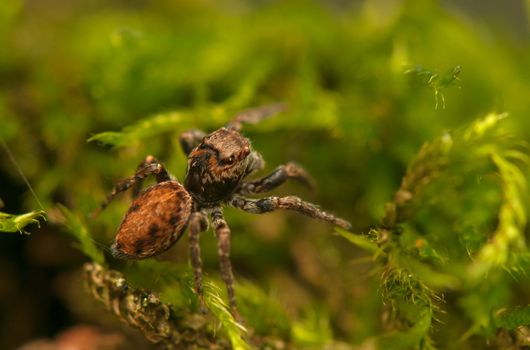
(153, 167)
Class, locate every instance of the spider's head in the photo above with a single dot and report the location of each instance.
(218, 164)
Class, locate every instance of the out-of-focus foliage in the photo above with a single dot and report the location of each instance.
(367, 84)
(84, 243)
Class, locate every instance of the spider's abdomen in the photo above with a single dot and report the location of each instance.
(156, 219)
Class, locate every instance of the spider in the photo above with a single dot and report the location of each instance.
(218, 165)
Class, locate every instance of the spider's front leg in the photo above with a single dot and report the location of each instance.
(153, 168)
(264, 205)
(198, 223)
(278, 177)
(222, 232)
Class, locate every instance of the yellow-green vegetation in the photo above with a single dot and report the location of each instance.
(412, 118)
(17, 223)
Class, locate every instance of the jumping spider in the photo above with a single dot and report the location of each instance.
(218, 164)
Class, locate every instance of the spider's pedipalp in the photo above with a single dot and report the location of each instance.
(255, 163)
(267, 204)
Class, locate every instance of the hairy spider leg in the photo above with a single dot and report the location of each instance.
(222, 232)
(198, 223)
(276, 178)
(190, 139)
(137, 187)
(267, 204)
(154, 168)
(255, 115)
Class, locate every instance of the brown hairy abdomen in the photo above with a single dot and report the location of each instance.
(155, 221)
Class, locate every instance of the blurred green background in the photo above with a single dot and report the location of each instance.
(367, 83)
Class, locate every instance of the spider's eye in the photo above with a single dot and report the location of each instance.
(230, 160)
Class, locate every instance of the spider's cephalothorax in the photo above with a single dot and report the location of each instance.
(218, 165)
